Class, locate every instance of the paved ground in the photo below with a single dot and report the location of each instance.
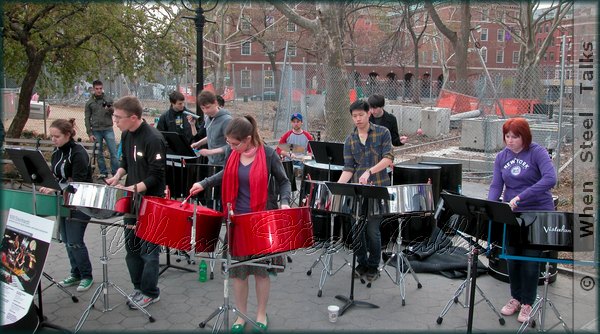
(293, 304)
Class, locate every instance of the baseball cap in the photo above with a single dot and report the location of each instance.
(296, 115)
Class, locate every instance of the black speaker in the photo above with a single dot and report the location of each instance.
(498, 268)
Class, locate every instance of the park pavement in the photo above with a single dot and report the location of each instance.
(293, 304)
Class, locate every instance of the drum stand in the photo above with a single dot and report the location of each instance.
(401, 260)
(103, 287)
(539, 308)
(328, 253)
(224, 309)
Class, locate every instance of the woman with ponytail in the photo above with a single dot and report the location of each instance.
(252, 181)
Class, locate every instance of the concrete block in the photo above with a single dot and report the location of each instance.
(482, 134)
(435, 121)
(411, 120)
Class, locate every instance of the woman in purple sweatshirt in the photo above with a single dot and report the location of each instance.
(525, 172)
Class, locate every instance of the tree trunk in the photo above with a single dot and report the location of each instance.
(339, 123)
(32, 73)
(462, 49)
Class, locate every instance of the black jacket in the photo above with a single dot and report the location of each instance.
(176, 121)
(389, 121)
(144, 158)
(71, 162)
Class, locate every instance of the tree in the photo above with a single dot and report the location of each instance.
(327, 28)
(523, 27)
(67, 41)
(459, 39)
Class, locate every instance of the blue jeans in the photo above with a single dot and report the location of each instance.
(72, 233)
(523, 275)
(142, 261)
(368, 238)
(109, 137)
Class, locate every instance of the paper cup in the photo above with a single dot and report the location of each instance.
(333, 311)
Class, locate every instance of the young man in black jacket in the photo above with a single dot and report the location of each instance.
(176, 120)
(143, 160)
(381, 117)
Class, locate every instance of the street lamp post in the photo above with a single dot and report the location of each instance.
(199, 21)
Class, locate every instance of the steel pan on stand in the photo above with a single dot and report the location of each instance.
(96, 200)
(416, 173)
(450, 175)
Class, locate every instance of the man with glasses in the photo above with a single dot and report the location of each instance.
(99, 127)
(143, 161)
(215, 122)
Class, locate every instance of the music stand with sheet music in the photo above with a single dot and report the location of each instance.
(361, 193)
(476, 210)
(178, 146)
(328, 153)
(34, 169)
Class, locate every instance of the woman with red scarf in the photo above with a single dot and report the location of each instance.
(253, 179)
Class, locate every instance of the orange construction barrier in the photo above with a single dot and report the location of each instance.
(229, 93)
(516, 106)
(457, 102)
(353, 95)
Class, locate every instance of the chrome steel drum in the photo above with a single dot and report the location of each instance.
(416, 174)
(404, 199)
(320, 199)
(315, 171)
(95, 200)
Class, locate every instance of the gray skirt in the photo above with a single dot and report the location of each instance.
(242, 272)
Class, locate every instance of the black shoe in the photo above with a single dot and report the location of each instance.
(372, 273)
(360, 270)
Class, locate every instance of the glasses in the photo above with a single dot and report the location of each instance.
(234, 146)
(118, 117)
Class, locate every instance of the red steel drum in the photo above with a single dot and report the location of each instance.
(271, 232)
(168, 223)
(123, 204)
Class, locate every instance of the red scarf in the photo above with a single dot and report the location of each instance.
(258, 181)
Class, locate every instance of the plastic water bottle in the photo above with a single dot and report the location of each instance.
(202, 271)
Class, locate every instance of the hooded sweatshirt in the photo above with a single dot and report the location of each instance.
(176, 121)
(215, 135)
(528, 174)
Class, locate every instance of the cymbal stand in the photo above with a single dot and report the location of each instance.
(103, 287)
(401, 261)
(470, 285)
(328, 252)
(539, 309)
(224, 309)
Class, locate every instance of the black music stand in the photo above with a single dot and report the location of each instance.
(34, 169)
(328, 153)
(361, 193)
(177, 144)
(476, 210)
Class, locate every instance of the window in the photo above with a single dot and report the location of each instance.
(246, 77)
(551, 56)
(291, 26)
(500, 56)
(246, 23)
(546, 28)
(515, 57)
(483, 51)
(485, 14)
(292, 50)
(484, 34)
(246, 48)
(269, 81)
(269, 20)
(434, 56)
(500, 35)
(423, 56)
(545, 56)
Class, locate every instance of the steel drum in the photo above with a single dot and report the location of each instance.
(320, 199)
(96, 200)
(498, 268)
(404, 199)
(167, 223)
(271, 232)
(554, 230)
(415, 173)
(450, 175)
(318, 172)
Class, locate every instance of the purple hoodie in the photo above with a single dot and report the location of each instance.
(528, 174)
